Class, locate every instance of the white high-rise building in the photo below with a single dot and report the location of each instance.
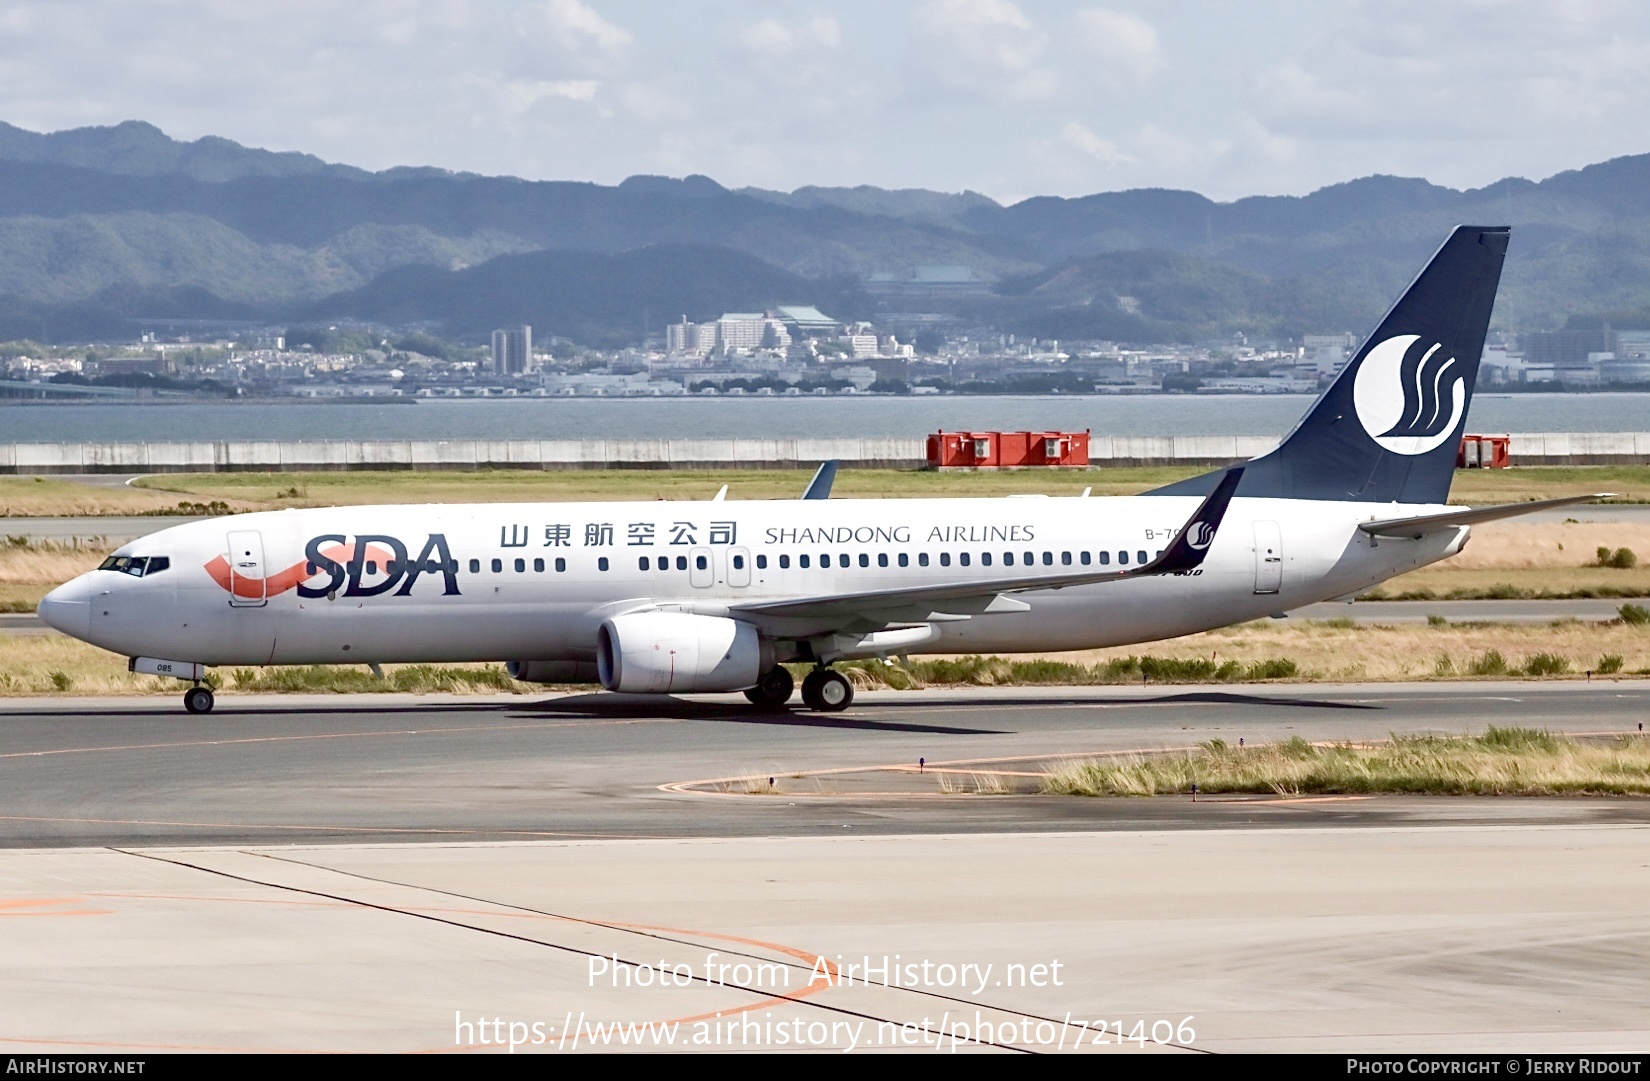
(512, 350)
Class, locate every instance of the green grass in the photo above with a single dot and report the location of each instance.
(1632, 483)
(977, 671)
(1501, 762)
(274, 490)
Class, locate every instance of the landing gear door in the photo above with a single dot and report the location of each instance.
(1268, 557)
(246, 569)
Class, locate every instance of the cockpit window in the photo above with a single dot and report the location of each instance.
(136, 566)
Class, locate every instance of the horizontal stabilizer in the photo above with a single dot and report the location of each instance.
(1421, 525)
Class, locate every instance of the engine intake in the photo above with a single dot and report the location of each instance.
(666, 652)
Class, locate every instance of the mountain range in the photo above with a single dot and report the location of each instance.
(100, 226)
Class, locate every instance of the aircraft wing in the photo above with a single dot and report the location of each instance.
(1421, 525)
(824, 477)
(916, 604)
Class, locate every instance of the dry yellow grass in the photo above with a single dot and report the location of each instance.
(1501, 762)
(48, 497)
(29, 571)
(46, 664)
(1324, 651)
(1537, 557)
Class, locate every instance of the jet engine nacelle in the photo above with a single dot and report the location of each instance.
(663, 652)
(553, 671)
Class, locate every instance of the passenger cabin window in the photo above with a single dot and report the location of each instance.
(1123, 557)
(1083, 557)
(802, 561)
(945, 559)
(738, 563)
(475, 567)
(681, 563)
(699, 562)
(1008, 559)
(985, 559)
(1140, 557)
(904, 560)
(601, 564)
(561, 564)
(1065, 559)
(1048, 559)
(922, 559)
(1105, 559)
(825, 560)
(785, 562)
(882, 559)
(498, 566)
(963, 558)
(538, 566)
(643, 563)
(761, 563)
(864, 560)
(521, 566)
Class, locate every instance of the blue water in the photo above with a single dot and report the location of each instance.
(699, 418)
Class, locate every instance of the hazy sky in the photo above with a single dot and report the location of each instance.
(1008, 97)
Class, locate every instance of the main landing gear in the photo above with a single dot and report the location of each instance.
(822, 689)
(827, 690)
(198, 699)
(773, 689)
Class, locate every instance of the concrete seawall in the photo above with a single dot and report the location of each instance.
(1550, 448)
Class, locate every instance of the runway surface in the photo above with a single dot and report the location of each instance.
(1451, 939)
(383, 873)
(279, 769)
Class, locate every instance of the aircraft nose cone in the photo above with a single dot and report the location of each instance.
(68, 608)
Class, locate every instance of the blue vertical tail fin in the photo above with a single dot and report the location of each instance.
(1386, 430)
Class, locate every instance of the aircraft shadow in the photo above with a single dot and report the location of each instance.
(627, 707)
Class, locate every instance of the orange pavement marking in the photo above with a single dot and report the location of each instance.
(8, 908)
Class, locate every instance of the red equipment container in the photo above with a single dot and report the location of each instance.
(992, 450)
(1484, 452)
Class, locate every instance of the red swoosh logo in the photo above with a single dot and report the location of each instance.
(275, 584)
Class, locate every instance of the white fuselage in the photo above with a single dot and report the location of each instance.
(534, 581)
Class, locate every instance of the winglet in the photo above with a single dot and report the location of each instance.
(1192, 543)
(824, 477)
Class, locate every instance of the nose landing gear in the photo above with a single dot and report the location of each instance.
(198, 699)
(827, 690)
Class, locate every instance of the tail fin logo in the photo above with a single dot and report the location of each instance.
(1200, 536)
(1409, 396)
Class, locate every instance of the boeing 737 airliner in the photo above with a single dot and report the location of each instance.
(675, 597)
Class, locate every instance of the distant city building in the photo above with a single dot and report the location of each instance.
(690, 339)
(863, 345)
(152, 364)
(806, 321)
(512, 350)
(741, 330)
(1328, 353)
(1562, 349)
